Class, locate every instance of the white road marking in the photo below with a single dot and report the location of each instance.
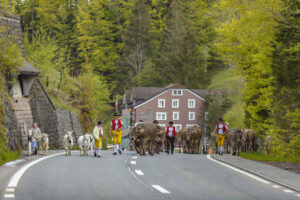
(161, 189)
(13, 163)
(129, 169)
(134, 157)
(240, 171)
(10, 190)
(298, 195)
(133, 162)
(276, 186)
(139, 172)
(9, 196)
(17, 176)
(288, 191)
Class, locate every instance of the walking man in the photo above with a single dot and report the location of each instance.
(98, 134)
(170, 137)
(115, 129)
(36, 135)
(221, 129)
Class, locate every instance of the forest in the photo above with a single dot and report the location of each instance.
(89, 51)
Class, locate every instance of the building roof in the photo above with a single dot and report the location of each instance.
(28, 69)
(141, 93)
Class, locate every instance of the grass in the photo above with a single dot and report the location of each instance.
(272, 158)
(9, 156)
(60, 103)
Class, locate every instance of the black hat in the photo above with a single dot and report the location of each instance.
(99, 122)
(116, 114)
(221, 119)
(155, 122)
(170, 122)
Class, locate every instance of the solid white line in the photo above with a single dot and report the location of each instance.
(161, 189)
(10, 190)
(240, 171)
(288, 191)
(276, 186)
(133, 162)
(9, 196)
(139, 172)
(134, 157)
(17, 176)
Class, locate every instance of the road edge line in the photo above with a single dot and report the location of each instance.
(13, 182)
(256, 174)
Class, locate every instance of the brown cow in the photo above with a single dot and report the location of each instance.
(136, 139)
(234, 140)
(147, 132)
(196, 139)
(161, 140)
(248, 139)
(186, 139)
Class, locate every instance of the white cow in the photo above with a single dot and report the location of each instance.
(84, 144)
(68, 143)
(44, 144)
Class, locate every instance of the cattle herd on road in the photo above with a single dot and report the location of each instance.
(147, 137)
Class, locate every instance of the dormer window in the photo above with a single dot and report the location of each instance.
(177, 92)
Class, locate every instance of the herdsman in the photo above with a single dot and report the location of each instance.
(221, 130)
(116, 126)
(36, 136)
(170, 137)
(98, 134)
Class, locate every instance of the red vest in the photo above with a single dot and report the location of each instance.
(173, 132)
(114, 124)
(224, 128)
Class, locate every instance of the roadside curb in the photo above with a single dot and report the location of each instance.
(257, 174)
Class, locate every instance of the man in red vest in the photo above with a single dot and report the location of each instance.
(221, 130)
(115, 129)
(170, 137)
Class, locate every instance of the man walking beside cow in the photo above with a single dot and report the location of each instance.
(98, 134)
(170, 137)
(221, 130)
(116, 131)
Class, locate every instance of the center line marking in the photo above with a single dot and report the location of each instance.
(298, 195)
(133, 162)
(134, 157)
(288, 191)
(10, 190)
(9, 196)
(161, 189)
(139, 172)
(238, 170)
(276, 186)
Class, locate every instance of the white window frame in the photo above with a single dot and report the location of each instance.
(178, 114)
(190, 125)
(162, 125)
(179, 127)
(175, 92)
(174, 100)
(161, 100)
(193, 100)
(194, 116)
(161, 113)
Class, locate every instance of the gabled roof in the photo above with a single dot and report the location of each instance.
(28, 69)
(141, 93)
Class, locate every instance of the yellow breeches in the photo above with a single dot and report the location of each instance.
(98, 143)
(117, 137)
(221, 139)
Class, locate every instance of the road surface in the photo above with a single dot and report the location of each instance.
(129, 176)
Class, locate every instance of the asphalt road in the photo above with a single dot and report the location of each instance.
(176, 177)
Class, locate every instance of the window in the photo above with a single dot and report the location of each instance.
(191, 115)
(191, 125)
(175, 115)
(161, 116)
(191, 103)
(161, 103)
(162, 125)
(175, 103)
(177, 127)
(177, 92)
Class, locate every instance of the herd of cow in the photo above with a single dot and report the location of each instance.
(148, 137)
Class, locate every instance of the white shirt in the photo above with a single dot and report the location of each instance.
(221, 128)
(170, 131)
